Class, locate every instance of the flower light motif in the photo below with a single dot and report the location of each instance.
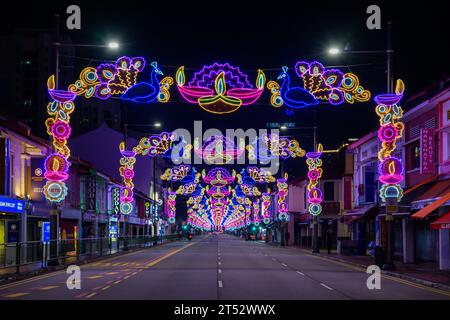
(314, 194)
(126, 171)
(391, 129)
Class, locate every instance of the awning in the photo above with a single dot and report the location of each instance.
(358, 213)
(433, 192)
(359, 210)
(443, 222)
(430, 208)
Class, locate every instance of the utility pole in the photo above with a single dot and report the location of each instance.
(315, 242)
(389, 264)
(54, 211)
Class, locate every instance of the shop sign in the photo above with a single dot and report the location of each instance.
(37, 180)
(12, 205)
(427, 151)
(116, 200)
(91, 193)
(45, 231)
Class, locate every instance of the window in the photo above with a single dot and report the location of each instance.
(414, 153)
(328, 189)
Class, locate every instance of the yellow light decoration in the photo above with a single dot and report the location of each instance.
(164, 86)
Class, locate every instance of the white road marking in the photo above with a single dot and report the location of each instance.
(219, 263)
(274, 259)
(220, 284)
(300, 273)
(220, 270)
(324, 285)
(284, 265)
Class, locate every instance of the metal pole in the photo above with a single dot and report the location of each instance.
(57, 44)
(389, 52)
(315, 244)
(389, 265)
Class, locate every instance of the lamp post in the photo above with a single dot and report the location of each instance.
(389, 265)
(55, 210)
(388, 52)
(156, 124)
(315, 242)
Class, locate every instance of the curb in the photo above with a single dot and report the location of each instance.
(12, 277)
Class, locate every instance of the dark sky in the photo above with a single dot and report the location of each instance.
(264, 35)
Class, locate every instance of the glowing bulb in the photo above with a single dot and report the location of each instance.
(113, 45)
(334, 51)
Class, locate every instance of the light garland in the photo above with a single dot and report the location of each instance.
(391, 129)
(283, 190)
(314, 194)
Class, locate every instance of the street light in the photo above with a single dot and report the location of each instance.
(157, 124)
(334, 51)
(389, 265)
(113, 45)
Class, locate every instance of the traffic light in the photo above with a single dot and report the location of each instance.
(253, 228)
(184, 227)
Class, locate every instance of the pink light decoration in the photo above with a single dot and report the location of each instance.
(391, 171)
(56, 167)
(388, 133)
(61, 130)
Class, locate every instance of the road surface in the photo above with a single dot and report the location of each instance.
(213, 268)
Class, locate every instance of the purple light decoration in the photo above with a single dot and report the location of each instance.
(391, 171)
(234, 78)
(56, 167)
(61, 130)
(388, 133)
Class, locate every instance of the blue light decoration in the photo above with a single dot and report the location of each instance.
(319, 85)
(145, 92)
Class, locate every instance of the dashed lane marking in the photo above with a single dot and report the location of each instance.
(300, 273)
(46, 288)
(91, 295)
(220, 270)
(284, 265)
(325, 286)
(16, 295)
(95, 277)
(220, 284)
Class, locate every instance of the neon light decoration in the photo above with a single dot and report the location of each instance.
(314, 194)
(58, 127)
(265, 205)
(158, 145)
(283, 190)
(252, 175)
(147, 92)
(272, 146)
(170, 206)
(391, 129)
(220, 88)
(319, 84)
(127, 173)
(219, 150)
(256, 209)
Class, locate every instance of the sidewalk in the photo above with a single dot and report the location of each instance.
(9, 274)
(424, 273)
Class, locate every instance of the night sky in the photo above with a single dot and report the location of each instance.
(255, 35)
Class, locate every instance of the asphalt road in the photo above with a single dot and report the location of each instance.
(217, 267)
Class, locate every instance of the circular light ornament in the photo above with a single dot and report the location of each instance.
(55, 191)
(388, 133)
(266, 220)
(283, 216)
(172, 220)
(315, 209)
(61, 130)
(126, 207)
(314, 174)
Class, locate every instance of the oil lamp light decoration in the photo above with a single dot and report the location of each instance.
(220, 88)
(391, 129)
(314, 194)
